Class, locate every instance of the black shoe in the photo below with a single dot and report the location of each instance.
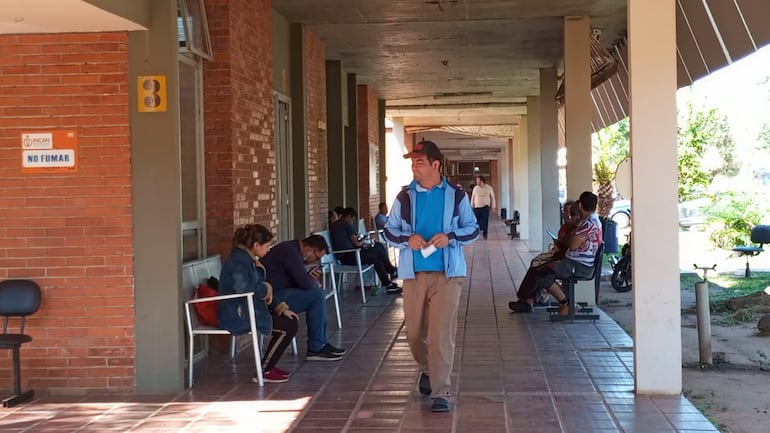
(440, 404)
(520, 307)
(424, 386)
(334, 350)
(393, 288)
(324, 355)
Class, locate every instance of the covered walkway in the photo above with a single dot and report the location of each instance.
(513, 373)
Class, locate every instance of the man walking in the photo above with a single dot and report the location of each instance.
(429, 222)
(482, 199)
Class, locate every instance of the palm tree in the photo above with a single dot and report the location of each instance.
(603, 177)
(609, 147)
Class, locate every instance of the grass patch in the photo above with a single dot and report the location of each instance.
(733, 300)
(723, 287)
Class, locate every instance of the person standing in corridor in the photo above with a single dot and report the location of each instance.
(429, 223)
(482, 199)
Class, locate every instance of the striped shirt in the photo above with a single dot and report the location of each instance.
(590, 229)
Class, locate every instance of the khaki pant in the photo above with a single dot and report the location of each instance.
(430, 318)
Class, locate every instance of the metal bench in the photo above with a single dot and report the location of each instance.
(568, 286)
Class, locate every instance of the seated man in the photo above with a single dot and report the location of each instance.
(301, 291)
(382, 217)
(344, 237)
(579, 258)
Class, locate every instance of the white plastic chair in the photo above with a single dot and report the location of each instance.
(196, 328)
(343, 270)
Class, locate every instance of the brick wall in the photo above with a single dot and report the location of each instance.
(315, 79)
(367, 136)
(71, 233)
(239, 120)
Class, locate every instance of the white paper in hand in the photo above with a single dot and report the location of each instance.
(427, 251)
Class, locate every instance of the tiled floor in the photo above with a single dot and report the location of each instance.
(513, 373)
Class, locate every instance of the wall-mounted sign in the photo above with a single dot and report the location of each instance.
(49, 152)
(152, 93)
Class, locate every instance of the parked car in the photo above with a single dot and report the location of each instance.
(693, 212)
(621, 213)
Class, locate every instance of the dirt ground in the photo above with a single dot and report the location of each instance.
(735, 393)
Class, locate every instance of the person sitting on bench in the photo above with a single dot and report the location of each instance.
(571, 216)
(578, 261)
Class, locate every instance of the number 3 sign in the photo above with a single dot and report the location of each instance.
(151, 93)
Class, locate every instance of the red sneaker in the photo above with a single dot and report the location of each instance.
(271, 376)
(281, 371)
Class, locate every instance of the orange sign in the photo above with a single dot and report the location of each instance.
(152, 93)
(49, 152)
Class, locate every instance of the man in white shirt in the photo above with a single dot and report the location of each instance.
(482, 199)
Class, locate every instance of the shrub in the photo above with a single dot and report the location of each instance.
(730, 220)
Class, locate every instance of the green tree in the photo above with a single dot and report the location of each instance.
(703, 136)
(764, 138)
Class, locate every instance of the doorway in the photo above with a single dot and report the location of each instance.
(283, 157)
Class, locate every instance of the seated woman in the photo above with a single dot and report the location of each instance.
(571, 216)
(241, 273)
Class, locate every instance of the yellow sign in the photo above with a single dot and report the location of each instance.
(152, 96)
(49, 152)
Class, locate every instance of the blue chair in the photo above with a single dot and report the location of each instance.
(760, 234)
(18, 298)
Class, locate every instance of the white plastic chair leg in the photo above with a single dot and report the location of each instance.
(255, 344)
(361, 278)
(336, 302)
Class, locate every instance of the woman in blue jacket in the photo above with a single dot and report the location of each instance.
(241, 273)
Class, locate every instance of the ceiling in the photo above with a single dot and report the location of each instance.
(450, 62)
(464, 65)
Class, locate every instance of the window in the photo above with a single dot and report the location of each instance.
(468, 170)
(193, 29)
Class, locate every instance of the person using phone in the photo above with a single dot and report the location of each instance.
(345, 237)
(286, 264)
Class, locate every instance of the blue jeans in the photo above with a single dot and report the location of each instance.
(312, 302)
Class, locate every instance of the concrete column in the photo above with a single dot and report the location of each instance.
(535, 188)
(299, 129)
(652, 97)
(351, 146)
(381, 177)
(505, 172)
(521, 175)
(399, 172)
(549, 148)
(157, 207)
(336, 86)
(578, 108)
